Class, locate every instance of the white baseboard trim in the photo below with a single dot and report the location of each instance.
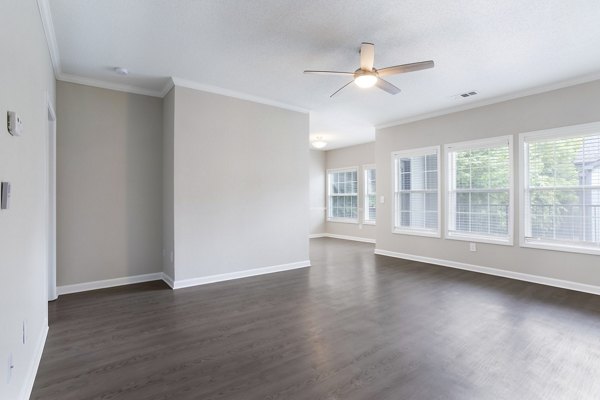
(317, 235)
(168, 280)
(179, 284)
(127, 280)
(33, 367)
(580, 287)
(353, 238)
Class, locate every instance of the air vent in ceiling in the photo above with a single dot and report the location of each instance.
(468, 94)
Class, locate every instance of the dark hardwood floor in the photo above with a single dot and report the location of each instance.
(354, 326)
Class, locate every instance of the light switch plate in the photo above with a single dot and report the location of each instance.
(4, 195)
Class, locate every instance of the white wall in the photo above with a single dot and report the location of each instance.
(569, 106)
(26, 80)
(240, 185)
(317, 192)
(109, 184)
(354, 156)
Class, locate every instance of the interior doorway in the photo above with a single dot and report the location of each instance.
(51, 191)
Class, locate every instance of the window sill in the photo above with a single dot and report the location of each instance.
(343, 220)
(369, 223)
(480, 239)
(415, 232)
(542, 245)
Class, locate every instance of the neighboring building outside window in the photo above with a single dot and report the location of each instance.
(479, 200)
(342, 195)
(370, 191)
(416, 208)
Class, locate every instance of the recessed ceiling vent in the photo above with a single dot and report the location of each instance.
(468, 94)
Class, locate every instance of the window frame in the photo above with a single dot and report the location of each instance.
(422, 151)
(329, 195)
(475, 144)
(365, 209)
(524, 220)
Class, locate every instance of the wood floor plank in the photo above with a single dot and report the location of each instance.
(353, 326)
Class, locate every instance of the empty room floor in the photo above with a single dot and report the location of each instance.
(354, 326)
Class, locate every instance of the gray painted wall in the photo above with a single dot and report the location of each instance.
(241, 185)
(570, 106)
(317, 192)
(27, 80)
(168, 191)
(354, 156)
(109, 184)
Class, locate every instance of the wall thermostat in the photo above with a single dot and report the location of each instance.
(5, 195)
(15, 126)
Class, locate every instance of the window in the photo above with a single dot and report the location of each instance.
(416, 192)
(342, 195)
(479, 191)
(560, 172)
(370, 194)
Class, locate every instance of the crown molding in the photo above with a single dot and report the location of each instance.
(48, 25)
(494, 100)
(238, 95)
(167, 88)
(108, 85)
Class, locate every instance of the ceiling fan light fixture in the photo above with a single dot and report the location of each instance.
(365, 80)
(318, 143)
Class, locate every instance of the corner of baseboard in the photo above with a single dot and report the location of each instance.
(168, 280)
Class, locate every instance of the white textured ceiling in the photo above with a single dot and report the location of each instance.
(260, 48)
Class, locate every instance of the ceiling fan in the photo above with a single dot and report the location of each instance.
(367, 76)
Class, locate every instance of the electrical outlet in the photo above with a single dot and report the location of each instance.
(381, 199)
(472, 246)
(360, 226)
(10, 366)
(172, 256)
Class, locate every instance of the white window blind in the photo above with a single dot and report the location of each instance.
(479, 190)
(416, 191)
(343, 195)
(562, 189)
(370, 194)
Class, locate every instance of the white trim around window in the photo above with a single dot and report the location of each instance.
(526, 237)
(366, 193)
(452, 192)
(424, 190)
(346, 189)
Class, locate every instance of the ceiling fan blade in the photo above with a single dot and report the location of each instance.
(340, 89)
(329, 73)
(388, 87)
(401, 69)
(367, 56)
